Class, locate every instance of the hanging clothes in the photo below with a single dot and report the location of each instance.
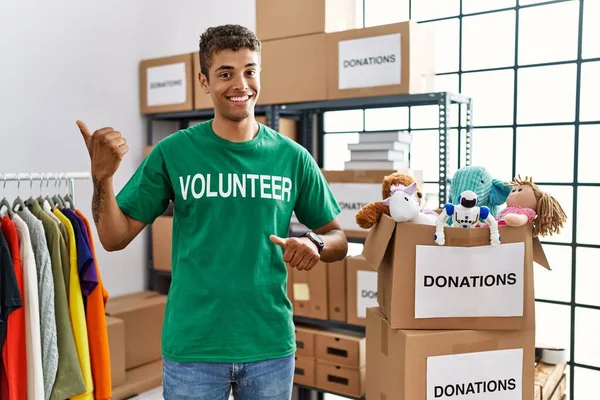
(77, 313)
(96, 324)
(69, 378)
(46, 300)
(35, 379)
(10, 301)
(88, 278)
(15, 383)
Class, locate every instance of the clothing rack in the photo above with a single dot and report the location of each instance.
(57, 177)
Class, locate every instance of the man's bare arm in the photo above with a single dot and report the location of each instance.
(115, 229)
(335, 241)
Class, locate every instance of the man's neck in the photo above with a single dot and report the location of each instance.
(235, 131)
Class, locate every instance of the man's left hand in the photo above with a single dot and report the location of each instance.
(299, 252)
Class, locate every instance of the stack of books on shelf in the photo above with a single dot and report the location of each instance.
(385, 150)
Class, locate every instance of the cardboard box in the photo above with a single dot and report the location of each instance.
(310, 292)
(343, 348)
(116, 345)
(276, 19)
(434, 364)
(341, 380)
(287, 126)
(143, 317)
(381, 60)
(162, 238)
(362, 289)
(305, 341)
(166, 84)
(422, 285)
(139, 380)
(336, 290)
(292, 70)
(304, 372)
(354, 189)
(202, 101)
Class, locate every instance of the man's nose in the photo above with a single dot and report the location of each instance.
(240, 83)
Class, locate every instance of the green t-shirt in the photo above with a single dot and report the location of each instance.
(228, 300)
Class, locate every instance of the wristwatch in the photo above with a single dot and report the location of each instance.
(316, 239)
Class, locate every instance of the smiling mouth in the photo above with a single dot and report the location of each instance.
(239, 99)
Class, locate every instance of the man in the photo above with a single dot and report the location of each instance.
(234, 184)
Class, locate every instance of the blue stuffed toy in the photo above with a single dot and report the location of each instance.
(491, 192)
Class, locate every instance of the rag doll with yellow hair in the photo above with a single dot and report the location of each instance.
(527, 203)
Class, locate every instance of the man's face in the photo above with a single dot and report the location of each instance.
(234, 83)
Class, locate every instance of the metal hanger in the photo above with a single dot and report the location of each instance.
(48, 198)
(57, 198)
(68, 198)
(31, 200)
(4, 204)
(41, 199)
(18, 204)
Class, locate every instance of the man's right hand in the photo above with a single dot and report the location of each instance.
(106, 148)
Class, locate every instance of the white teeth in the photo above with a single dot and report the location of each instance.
(239, 99)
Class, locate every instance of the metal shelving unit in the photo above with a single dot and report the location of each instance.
(311, 132)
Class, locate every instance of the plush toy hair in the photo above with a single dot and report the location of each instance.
(550, 215)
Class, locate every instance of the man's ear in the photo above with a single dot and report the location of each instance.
(203, 82)
(499, 192)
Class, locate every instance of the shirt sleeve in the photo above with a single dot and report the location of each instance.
(147, 193)
(316, 205)
(10, 299)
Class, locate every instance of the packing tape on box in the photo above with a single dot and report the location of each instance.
(484, 345)
(554, 356)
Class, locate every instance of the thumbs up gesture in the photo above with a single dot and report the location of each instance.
(106, 148)
(299, 253)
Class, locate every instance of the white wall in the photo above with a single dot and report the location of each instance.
(66, 60)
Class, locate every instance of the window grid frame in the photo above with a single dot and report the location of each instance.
(576, 123)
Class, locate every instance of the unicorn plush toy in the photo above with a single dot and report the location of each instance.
(404, 206)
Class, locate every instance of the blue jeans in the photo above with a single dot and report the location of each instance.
(262, 380)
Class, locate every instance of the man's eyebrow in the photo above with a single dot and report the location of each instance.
(224, 67)
(229, 67)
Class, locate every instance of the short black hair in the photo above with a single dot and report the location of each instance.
(225, 37)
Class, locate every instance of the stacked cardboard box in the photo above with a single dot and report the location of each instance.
(331, 360)
(316, 50)
(319, 293)
(134, 324)
(452, 320)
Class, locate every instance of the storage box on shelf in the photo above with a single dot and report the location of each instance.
(115, 329)
(293, 70)
(380, 60)
(134, 324)
(202, 101)
(276, 19)
(142, 314)
(332, 360)
(361, 289)
(166, 84)
(316, 296)
(287, 126)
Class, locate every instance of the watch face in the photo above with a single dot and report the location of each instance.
(316, 237)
